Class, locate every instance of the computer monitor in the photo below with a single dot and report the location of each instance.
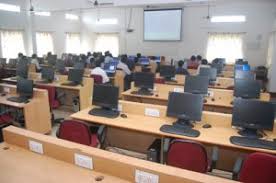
(253, 115)
(3, 61)
(106, 97)
(245, 88)
(239, 74)
(22, 70)
(209, 72)
(196, 84)
(167, 71)
(48, 74)
(52, 60)
(246, 67)
(218, 66)
(157, 59)
(110, 67)
(79, 65)
(25, 88)
(144, 81)
(144, 61)
(75, 75)
(12, 63)
(185, 106)
(60, 66)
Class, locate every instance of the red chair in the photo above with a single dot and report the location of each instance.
(256, 168)
(189, 155)
(97, 79)
(159, 80)
(79, 132)
(54, 103)
(5, 120)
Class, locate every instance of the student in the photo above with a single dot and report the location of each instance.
(122, 65)
(99, 71)
(35, 61)
(193, 64)
(108, 57)
(180, 69)
(199, 59)
(20, 56)
(204, 62)
(89, 56)
(138, 56)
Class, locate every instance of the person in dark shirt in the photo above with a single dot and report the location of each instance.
(180, 69)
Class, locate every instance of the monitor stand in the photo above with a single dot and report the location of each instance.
(104, 112)
(181, 127)
(252, 133)
(142, 91)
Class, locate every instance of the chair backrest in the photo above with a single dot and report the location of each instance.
(159, 80)
(97, 79)
(188, 155)
(258, 168)
(51, 94)
(75, 131)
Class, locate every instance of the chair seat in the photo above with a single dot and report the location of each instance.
(94, 140)
(55, 104)
(5, 119)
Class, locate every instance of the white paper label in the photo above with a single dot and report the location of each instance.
(179, 90)
(7, 90)
(210, 93)
(152, 112)
(120, 107)
(36, 147)
(145, 177)
(84, 161)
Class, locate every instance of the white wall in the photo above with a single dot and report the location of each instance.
(260, 16)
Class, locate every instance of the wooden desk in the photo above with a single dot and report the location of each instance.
(56, 164)
(84, 92)
(218, 101)
(138, 131)
(36, 113)
(224, 74)
(221, 83)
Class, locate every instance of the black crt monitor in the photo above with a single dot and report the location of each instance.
(144, 61)
(12, 63)
(75, 75)
(3, 61)
(186, 107)
(25, 88)
(218, 66)
(196, 84)
(48, 74)
(167, 71)
(22, 70)
(246, 88)
(106, 97)
(144, 81)
(239, 74)
(79, 65)
(110, 67)
(60, 66)
(253, 116)
(52, 60)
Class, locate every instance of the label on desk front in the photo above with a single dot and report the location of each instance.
(36, 147)
(210, 94)
(178, 90)
(152, 112)
(7, 90)
(145, 177)
(83, 161)
(120, 107)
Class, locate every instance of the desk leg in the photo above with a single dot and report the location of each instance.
(161, 151)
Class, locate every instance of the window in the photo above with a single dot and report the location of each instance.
(12, 43)
(9, 7)
(71, 17)
(225, 45)
(228, 19)
(271, 48)
(73, 43)
(43, 13)
(44, 43)
(107, 42)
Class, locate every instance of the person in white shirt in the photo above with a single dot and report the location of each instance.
(108, 58)
(99, 71)
(35, 61)
(123, 66)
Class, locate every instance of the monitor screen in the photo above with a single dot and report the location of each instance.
(185, 105)
(209, 72)
(253, 114)
(22, 70)
(239, 74)
(106, 96)
(247, 88)
(60, 66)
(79, 65)
(110, 67)
(144, 61)
(213, 74)
(167, 71)
(196, 84)
(218, 66)
(25, 87)
(48, 73)
(75, 75)
(144, 80)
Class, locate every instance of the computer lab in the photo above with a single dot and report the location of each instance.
(148, 91)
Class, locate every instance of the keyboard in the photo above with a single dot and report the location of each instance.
(70, 84)
(142, 93)
(180, 131)
(253, 142)
(43, 82)
(18, 99)
(104, 113)
(14, 78)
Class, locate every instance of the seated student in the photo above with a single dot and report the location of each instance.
(138, 56)
(180, 69)
(199, 59)
(122, 65)
(99, 71)
(35, 61)
(89, 56)
(108, 57)
(204, 63)
(193, 64)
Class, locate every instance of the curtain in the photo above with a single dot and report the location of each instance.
(271, 48)
(225, 45)
(107, 42)
(73, 43)
(12, 43)
(44, 43)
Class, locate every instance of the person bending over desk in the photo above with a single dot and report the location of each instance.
(99, 71)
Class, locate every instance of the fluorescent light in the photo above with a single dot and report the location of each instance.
(107, 21)
(71, 16)
(9, 7)
(227, 19)
(43, 13)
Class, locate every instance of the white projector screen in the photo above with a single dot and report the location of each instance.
(162, 25)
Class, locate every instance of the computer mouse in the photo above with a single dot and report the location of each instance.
(157, 95)
(213, 99)
(207, 126)
(123, 116)
(204, 101)
(3, 94)
(231, 102)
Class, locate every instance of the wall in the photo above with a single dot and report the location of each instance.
(260, 16)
